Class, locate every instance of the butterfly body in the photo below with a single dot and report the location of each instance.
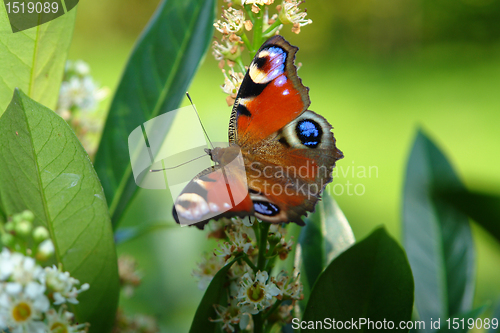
(288, 152)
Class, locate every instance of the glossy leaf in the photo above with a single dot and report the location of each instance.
(495, 315)
(287, 329)
(44, 168)
(201, 323)
(123, 235)
(456, 326)
(481, 207)
(372, 279)
(437, 237)
(36, 58)
(325, 235)
(156, 78)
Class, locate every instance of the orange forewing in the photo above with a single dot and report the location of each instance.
(266, 119)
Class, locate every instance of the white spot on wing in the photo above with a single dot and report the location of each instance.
(280, 81)
(277, 57)
(213, 207)
(196, 213)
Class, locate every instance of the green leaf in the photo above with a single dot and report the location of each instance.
(123, 235)
(155, 81)
(372, 280)
(36, 58)
(482, 208)
(495, 315)
(437, 237)
(456, 326)
(201, 323)
(44, 168)
(326, 235)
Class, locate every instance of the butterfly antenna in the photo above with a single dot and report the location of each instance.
(194, 159)
(196, 111)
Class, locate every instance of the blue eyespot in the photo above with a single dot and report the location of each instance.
(265, 208)
(309, 133)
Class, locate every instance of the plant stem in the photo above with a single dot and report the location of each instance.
(250, 263)
(257, 30)
(270, 263)
(248, 9)
(258, 323)
(264, 230)
(272, 309)
(249, 46)
(261, 263)
(272, 27)
(240, 63)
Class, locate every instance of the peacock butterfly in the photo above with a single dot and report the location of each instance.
(288, 151)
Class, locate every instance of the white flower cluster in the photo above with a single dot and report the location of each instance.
(25, 304)
(79, 99)
(250, 291)
(78, 90)
(291, 14)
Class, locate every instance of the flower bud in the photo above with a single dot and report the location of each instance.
(40, 234)
(274, 238)
(27, 215)
(9, 226)
(23, 228)
(7, 239)
(45, 250)
(17, 218)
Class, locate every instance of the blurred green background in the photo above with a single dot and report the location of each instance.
(377, 70)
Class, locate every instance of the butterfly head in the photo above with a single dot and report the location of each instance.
(224, 156)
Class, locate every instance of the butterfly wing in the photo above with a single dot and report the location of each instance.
(291, 170)
(270, 96)
(289, 151)
(214, 193)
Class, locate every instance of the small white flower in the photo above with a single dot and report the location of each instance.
(81, 68)
(22, 311)
(234, 22)
(79, 93)
(247, 222)
(232, 82)
(291, 14)
(225, 250)
(241, 241)
(46, 248)
(231, 85)
(19, 269)
(256, 3)
(207, 270)
(63, 285)
(61, 321)
(6, 264)
(290, 288)
(229, 316)
(78, 90)
(227, 50)
(256, 294)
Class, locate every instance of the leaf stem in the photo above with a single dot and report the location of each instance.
(250, 263)
(248, 9)
(273, 26)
